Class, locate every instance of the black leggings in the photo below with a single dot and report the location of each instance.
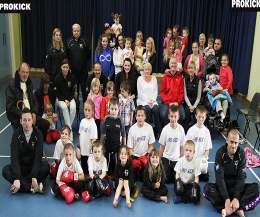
(154, 194)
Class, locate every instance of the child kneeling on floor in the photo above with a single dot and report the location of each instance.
(186, 186)
(97, 183)
(69, 182)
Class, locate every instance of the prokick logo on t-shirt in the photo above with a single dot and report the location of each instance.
(245, 5)
(15, 6)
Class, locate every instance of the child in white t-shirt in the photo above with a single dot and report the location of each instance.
(127, 51)
(58, 151)
(186, 187)
(140, 142)
(70, 177)
(97, 183)
(200, 135)
(171, 142)
(88, 134)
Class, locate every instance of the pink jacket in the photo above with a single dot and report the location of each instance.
(97, 101)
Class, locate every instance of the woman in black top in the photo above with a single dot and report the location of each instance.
(192, 95)
(127, 74)
(56, 52)
(65, 89)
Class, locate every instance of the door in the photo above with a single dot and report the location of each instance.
(5, 50)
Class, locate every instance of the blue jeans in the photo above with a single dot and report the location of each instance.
(164, 111)
(156, 115)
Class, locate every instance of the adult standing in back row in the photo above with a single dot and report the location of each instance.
(79, 53)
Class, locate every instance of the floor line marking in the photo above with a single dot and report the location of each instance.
(254, 174)
(2, 113)
(5, 127)
(249, 143)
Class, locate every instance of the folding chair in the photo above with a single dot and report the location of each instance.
(251, 111)
(256, 120)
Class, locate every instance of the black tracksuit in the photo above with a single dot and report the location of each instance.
(148, 188)
(53, 61)
(26, 159)
(230, 181)
(79, 53)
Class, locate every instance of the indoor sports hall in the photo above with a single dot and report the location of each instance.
(25, 37)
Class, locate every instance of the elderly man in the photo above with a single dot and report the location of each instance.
(202, 41)
(19, 95)
(97, 73)
(230, 194)
(79, 53)
(172, 92)
(26, 171)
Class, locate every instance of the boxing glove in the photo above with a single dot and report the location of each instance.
(69, 176)
(85, 196)
(67, 192)
(195, 193)
(99, 184)
(178, 187)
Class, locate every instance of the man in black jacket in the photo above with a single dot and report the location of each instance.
(19, 94)
(97, 73)
(26, 171)
(230, 194)
(79, 52)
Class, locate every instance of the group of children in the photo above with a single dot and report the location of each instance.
(125, 160)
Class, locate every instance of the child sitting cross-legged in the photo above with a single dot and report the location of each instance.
(186, 186)
(97, 183)
(154, 187)
(69, 182)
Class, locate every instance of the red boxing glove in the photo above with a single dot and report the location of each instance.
(85, 196)
(67, 192)
(69, 176)
(53, 169)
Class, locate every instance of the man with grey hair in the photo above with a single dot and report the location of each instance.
(79, 52)
(202, 41)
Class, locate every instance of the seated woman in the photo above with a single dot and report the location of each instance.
(127, 74)
(65, 89)
(147, 89)
(192, 95)
(196, 58)
(170, 52)
(44, 94)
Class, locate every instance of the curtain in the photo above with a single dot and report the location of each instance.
(153, 17)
